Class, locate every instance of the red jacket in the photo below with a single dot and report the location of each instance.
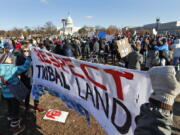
(18, 46)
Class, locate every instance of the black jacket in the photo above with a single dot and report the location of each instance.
(25, 76)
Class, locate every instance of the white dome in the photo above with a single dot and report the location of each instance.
(69, 20)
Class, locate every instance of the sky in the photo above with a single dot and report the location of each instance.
(34, 13)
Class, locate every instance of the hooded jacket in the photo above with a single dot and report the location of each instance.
(12, 78)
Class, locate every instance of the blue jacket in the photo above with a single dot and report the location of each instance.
(12, 78)
(162, 47)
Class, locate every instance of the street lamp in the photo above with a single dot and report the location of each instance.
(63, 22)
(157, 23)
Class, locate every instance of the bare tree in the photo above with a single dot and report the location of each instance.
(50, 28)
(28, 31)
(14, 32)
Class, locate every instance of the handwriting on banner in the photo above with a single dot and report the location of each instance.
(63, 65)
(65, 62)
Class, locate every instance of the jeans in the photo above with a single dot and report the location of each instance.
(27, 99)
(13, 108)
(153, 121)
(175, 61)
(37, 91)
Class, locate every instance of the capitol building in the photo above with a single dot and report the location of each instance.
(68, 27)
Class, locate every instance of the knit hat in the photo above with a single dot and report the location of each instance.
(165, 83)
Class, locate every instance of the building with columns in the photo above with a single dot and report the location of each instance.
(68, 27)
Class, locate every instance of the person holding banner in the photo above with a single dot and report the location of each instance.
(25, 76)
(27, 80)
(155, 117)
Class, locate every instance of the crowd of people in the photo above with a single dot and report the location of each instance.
(147, 52)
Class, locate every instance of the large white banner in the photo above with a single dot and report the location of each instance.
(111, 94)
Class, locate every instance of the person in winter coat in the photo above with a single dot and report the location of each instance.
(113, 49)
(176, 54)
(76, 48)
(13, 103)
(67, 49)
(163, 46)
(96, 47)
(163, 49)
(85, 50)
(47, 44)
(153, 58)
(135, 59)
(18, 46)
(25, 76)
(145, 45)
(106, 51)
(155, 117)
(102, 44)
(59, 48)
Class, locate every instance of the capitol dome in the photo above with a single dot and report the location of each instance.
(69, 22)
(68, 26)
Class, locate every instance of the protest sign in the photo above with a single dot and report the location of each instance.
(111, 94)
(154, 32)
(56, 115)
(91, 34)
(109, 37)
(124, 48)
(101, 34)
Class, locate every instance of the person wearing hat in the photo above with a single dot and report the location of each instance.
(135, 59)
(153, 58)
(163, 48)
(6, 50)
(155, 117)
(8, 45)
(176, 53)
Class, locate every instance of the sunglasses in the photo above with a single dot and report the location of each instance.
(25, 50)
